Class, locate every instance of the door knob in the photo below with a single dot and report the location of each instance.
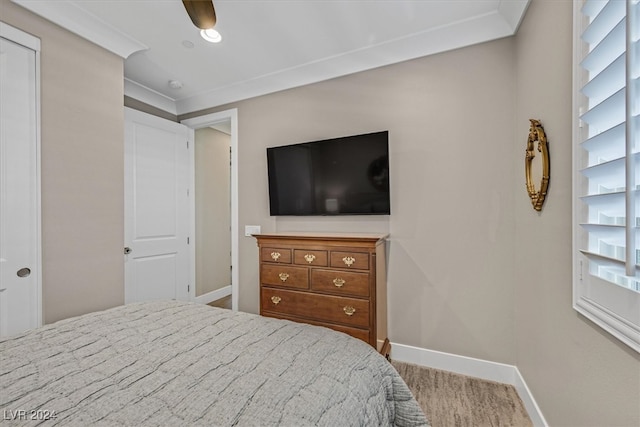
(24, 272)
(127, 250)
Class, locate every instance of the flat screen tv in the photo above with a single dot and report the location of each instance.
(340, 176)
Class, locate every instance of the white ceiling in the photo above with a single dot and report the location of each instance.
(271, 45)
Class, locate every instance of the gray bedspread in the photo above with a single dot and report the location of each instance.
(172, 363)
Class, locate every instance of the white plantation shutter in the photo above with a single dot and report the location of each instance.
(607, 167)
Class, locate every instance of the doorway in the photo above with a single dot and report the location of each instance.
(227, 121)
(212, 194)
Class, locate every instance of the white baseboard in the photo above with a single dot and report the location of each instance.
(213, 295)
(483, 369)
(529, 402)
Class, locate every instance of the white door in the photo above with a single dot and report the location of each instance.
(20, 306)
(156, 208)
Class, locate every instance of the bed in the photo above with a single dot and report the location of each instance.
(170, 363)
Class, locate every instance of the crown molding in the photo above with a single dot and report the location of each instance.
(513, 12)
(149, 96)
(68, 15)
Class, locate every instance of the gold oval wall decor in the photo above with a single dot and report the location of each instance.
(536, 134)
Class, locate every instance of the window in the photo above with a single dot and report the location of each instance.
(607, 166)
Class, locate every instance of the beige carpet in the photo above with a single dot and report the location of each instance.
(450, 399)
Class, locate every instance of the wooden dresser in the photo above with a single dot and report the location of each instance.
(333, 280)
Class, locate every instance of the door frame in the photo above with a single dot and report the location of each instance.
(29, 41)
(198, 123)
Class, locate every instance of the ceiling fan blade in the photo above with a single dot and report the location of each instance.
(201, 12)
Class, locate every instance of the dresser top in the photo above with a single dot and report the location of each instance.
(312, 235)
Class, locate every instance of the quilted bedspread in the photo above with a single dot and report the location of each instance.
(172, 363)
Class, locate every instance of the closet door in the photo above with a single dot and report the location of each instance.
(20, 294)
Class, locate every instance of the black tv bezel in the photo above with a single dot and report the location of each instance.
(323, 214)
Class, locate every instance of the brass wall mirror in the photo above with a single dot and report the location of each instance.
(537, 168)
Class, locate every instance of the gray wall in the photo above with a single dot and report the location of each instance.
(579, 374)
(213, 210)
(82, 169)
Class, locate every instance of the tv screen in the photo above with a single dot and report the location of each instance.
(341, 176)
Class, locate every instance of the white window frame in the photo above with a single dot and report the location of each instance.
(614, 308)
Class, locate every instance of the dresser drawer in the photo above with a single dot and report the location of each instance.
(313, 258)
(328, 308)
(355, 260)
(285, 276)
(279, 255)
(340, 282)
(361, 334)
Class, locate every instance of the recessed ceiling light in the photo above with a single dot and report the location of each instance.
(211, 35)
(175, 84)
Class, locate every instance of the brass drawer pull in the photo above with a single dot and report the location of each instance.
(338, 282)
(348, 310)
(309, 258)
(275, 255)
(276, 300)
(349, 260)
(283, 276)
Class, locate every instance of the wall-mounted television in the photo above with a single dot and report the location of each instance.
(339, 176)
